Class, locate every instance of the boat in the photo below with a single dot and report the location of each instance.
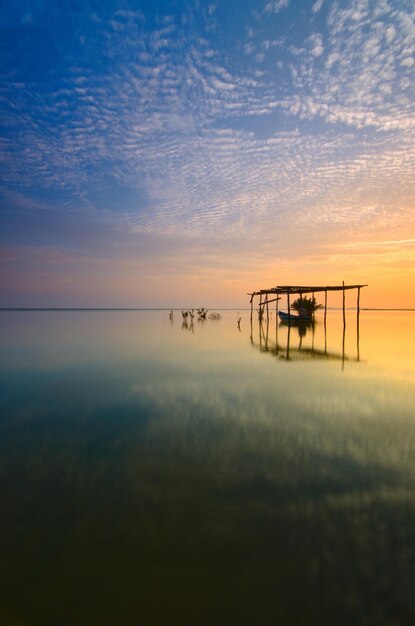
(294, 318)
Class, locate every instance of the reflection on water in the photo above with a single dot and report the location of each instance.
(156, 474)
(285, 340)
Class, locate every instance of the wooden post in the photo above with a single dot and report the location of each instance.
(325, 306)
(358, 324)
(288, 305)
(325, 336)
(260, 307)
(252, 305)
(260, 335)
(312, 335)
(344, 305)
(276, 327)
(266, 337)
(262, 332)
(266, 299)
(343, 345)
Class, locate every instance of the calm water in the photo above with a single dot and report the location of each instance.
(154, 474)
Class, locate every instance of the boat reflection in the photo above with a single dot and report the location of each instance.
(286, 341)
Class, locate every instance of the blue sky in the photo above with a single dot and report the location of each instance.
(161, 152)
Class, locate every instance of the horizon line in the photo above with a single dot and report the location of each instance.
(109, 308)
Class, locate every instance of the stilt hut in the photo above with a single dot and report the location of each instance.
(274, 294)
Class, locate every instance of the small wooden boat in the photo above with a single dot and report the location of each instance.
(293, 318)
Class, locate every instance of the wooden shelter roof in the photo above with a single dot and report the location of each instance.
(301, 289)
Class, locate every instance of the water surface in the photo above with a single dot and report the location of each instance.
(158, 473)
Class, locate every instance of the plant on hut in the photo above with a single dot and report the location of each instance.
(305, 306)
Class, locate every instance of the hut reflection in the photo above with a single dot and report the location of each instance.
(288, 342)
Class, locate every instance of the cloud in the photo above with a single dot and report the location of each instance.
(276, 6)
(398, 242)
(315, 43)
(178, 124)
(37, 254)
(317, 6)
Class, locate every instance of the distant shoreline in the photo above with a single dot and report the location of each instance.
(175, 309)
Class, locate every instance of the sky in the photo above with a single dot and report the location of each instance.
(182, 153)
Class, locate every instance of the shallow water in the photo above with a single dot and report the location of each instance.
(155, 473)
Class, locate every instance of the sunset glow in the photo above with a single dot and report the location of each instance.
(179, 154)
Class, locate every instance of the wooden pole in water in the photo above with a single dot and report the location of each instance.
(358, 324)
(276, 326)
(252, 305)
(266, 298)
(344, 305)
(266, 337)
(287, 355)
(252, 332)
(325, 337)
(313, 329)
(288, 305)
(325, 306)
(343, 345)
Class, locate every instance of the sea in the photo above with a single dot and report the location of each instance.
(176, 472)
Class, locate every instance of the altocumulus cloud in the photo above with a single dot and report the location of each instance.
(184, 121)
